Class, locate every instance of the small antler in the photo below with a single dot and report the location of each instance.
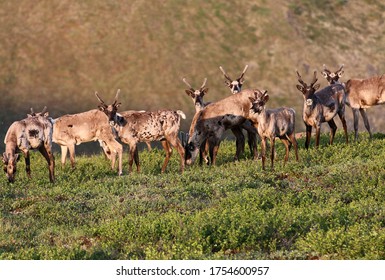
(300, 79)
(184, 80)
(116, 97)
(326, 70)
(44, 110)
(224, 74)
(100, 100)
(204, 83)
(243, 73)
(315, 79)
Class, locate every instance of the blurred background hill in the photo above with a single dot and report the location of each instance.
(57, 53)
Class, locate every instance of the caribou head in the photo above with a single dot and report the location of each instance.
(197, 94)
(308, 90)
(9, 167)
(234, 85)
(333, 77)
(109, 110)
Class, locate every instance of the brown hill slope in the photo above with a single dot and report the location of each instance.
(58, 53)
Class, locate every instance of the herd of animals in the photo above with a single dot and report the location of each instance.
(244, 110)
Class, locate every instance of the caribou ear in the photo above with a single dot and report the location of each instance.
(189, 92)
(316, 87)
(204, 91)
(16, 158)
(101, 108)
(252, 99)
(227, 83)
(325, 74)
(5, 158)
(265, 97)
(300, 88)
(46, 114)
(340, 73)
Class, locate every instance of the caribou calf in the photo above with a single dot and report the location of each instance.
(360, 95)
(211, 122)
(322, 106)
(272, 123)
(71, 130)
(33, 132)
(162, 125)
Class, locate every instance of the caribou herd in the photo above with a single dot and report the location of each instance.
(243, 110)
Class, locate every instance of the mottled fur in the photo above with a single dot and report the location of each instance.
(272, 123)
(33, 132)
(360, 95)
(211, 122)
(235, 86)
(322, 106)
(141, 126)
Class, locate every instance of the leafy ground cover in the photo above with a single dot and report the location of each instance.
(329, 205)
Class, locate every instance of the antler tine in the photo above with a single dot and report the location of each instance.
(244, 71)
(325, 69)
(116, 97)
(184, 80)
(98, 97)
(341, 67)
(315, 79)
(300, 78)
(224, 74)
(44, 110)
(204, 83)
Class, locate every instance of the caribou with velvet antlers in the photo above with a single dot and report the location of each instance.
(236, 87)
(71, 130)
(322, 106)
(142, 126)
(272, 123)
(197, 97)
(360, 95)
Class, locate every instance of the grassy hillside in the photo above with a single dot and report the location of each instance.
(329, 205)
(58, 53)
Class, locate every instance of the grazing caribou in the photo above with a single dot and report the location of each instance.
(360, 95)
(272, 123)
(141, 126)
(213, 120)
(235, 87)
(33, 132)
(322, 106)
(71, 130)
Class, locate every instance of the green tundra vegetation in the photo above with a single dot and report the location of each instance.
(54, 53)
(329, 205)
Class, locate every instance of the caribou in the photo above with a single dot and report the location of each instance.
(73, 129)
(213, 120)
(142, 126)
(272, 123)
(235, 87)
(33, 132)
(360, 95)
(197, 98)
(322, 106)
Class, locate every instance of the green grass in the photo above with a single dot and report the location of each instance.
(329, 205)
